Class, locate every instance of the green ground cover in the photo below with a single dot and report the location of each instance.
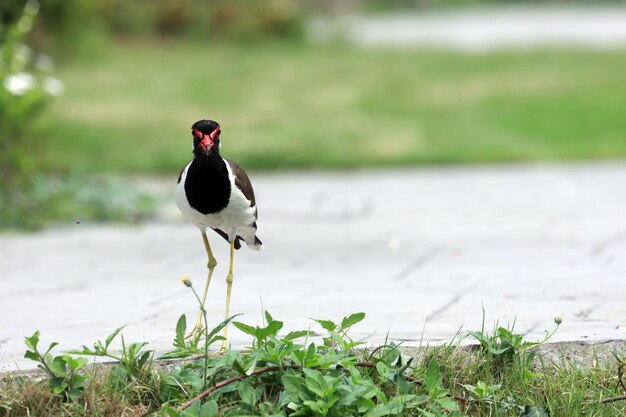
(294, 105)
(293, 375)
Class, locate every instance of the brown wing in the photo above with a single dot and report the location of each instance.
(180, 176)
(242, 181)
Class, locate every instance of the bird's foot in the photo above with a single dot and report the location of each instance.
(222, 349)
(196, 331)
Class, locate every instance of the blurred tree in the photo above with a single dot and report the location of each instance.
(250, 19)
(24, 91)
(61, 24)
(21, 99)
(66, 24)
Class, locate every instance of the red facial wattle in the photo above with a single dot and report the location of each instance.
(206, 140)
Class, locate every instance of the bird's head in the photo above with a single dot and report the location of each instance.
(206, 137)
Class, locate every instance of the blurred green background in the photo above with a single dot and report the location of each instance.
(135, 75)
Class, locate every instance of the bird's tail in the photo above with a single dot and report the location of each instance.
(257, 245)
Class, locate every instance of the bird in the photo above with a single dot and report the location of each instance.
(215, 193)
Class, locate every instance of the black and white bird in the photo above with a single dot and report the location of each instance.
(215, 193)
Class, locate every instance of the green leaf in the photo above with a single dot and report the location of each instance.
(297, 357)
(270, 330)
(383, 369)
(252, 366)
(387, 409)
(80, 381)
(365, 403)
(57, 366)
(293, 385)
(471, 388)
(74, 394)
(210, 337)
(110, 338)
(143, 359)
(58, 385)
(181, 328)
(29, 354)
(297, 334)
(238, 367)
(339, 340)
(326, 324)
(197, 409)
(246, 328)
(52, 345)
(133, 352)
(351, 320)
(86, 352)
(448, 403)
(268, 317)
(75, 364)
(315, 382)
(433, 376)
(248, 394)
(171, 412)
(481, 337)
(496, 352)
(209, 409)
(180, 353)
(216, 339)
(32, 341)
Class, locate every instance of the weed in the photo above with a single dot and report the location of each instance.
(303, 373)
(134, 359)
(504, 346)
(63, 371)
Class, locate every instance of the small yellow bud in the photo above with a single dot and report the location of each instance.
(186, 281)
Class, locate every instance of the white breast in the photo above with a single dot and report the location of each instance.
(236, 215)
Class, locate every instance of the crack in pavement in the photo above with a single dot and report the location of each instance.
(455, 299)
(583, 314)
(417, 263)
(604, 244)
(531, 328)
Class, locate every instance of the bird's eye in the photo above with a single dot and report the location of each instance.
(219, 132)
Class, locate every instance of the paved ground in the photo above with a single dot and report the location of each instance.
(484, 29)
(418, 250)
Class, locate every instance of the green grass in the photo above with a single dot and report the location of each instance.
(297, 105)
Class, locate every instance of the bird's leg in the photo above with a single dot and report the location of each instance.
(211, 265)
(229, 285)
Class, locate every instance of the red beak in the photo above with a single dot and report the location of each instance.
(206, 143)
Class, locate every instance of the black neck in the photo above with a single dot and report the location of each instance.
(207, 184)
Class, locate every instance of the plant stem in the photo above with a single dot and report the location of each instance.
(116, 358)
(206, 346)
(545, 339)
(606, 400)
(43, 362)
(206, 339)
(235, 379)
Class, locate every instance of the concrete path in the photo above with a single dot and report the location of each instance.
(418, 250)
(484, 28)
